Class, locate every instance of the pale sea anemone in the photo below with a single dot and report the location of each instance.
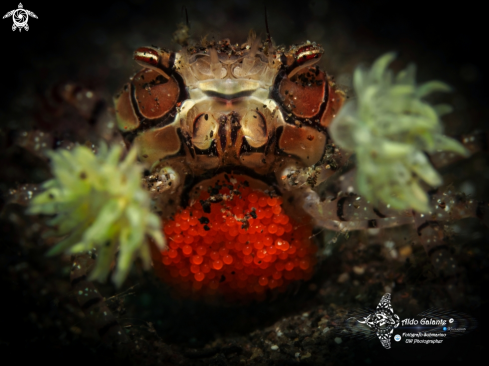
(99, 203)
(389, 128)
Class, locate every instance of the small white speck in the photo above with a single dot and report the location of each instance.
(338, 340)
(373, 231)
(359, 270)
(274, 347)
(389, 244)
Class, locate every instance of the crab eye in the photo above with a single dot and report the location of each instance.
(155, 59)
(146, 56)
(308, 52)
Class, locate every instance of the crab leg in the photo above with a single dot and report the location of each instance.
(92, 303)
(348, 212)
(352, 212)
(445, 207)
(431, 236)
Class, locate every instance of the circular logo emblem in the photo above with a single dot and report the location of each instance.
(451, 320)
(445, 329)
(20, 18)
(397, 337)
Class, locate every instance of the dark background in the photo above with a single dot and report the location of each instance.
(92, 43)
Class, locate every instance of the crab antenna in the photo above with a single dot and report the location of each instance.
(186, 15)
(269, 39)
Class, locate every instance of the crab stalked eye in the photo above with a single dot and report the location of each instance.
(308, 52)
(155, 59)
(146, 56)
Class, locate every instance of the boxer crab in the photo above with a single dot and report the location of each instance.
(270, 120)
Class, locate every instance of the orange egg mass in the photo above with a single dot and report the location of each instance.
(236, 241)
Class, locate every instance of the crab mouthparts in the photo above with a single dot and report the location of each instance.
(241, 94)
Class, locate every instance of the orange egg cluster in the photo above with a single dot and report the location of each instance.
(236, 241)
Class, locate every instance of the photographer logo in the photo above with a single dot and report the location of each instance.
(20, 17)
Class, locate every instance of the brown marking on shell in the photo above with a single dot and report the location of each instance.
(155, 95)
(297, 141)
(304, 93)
(158, 144)
(127, 119)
